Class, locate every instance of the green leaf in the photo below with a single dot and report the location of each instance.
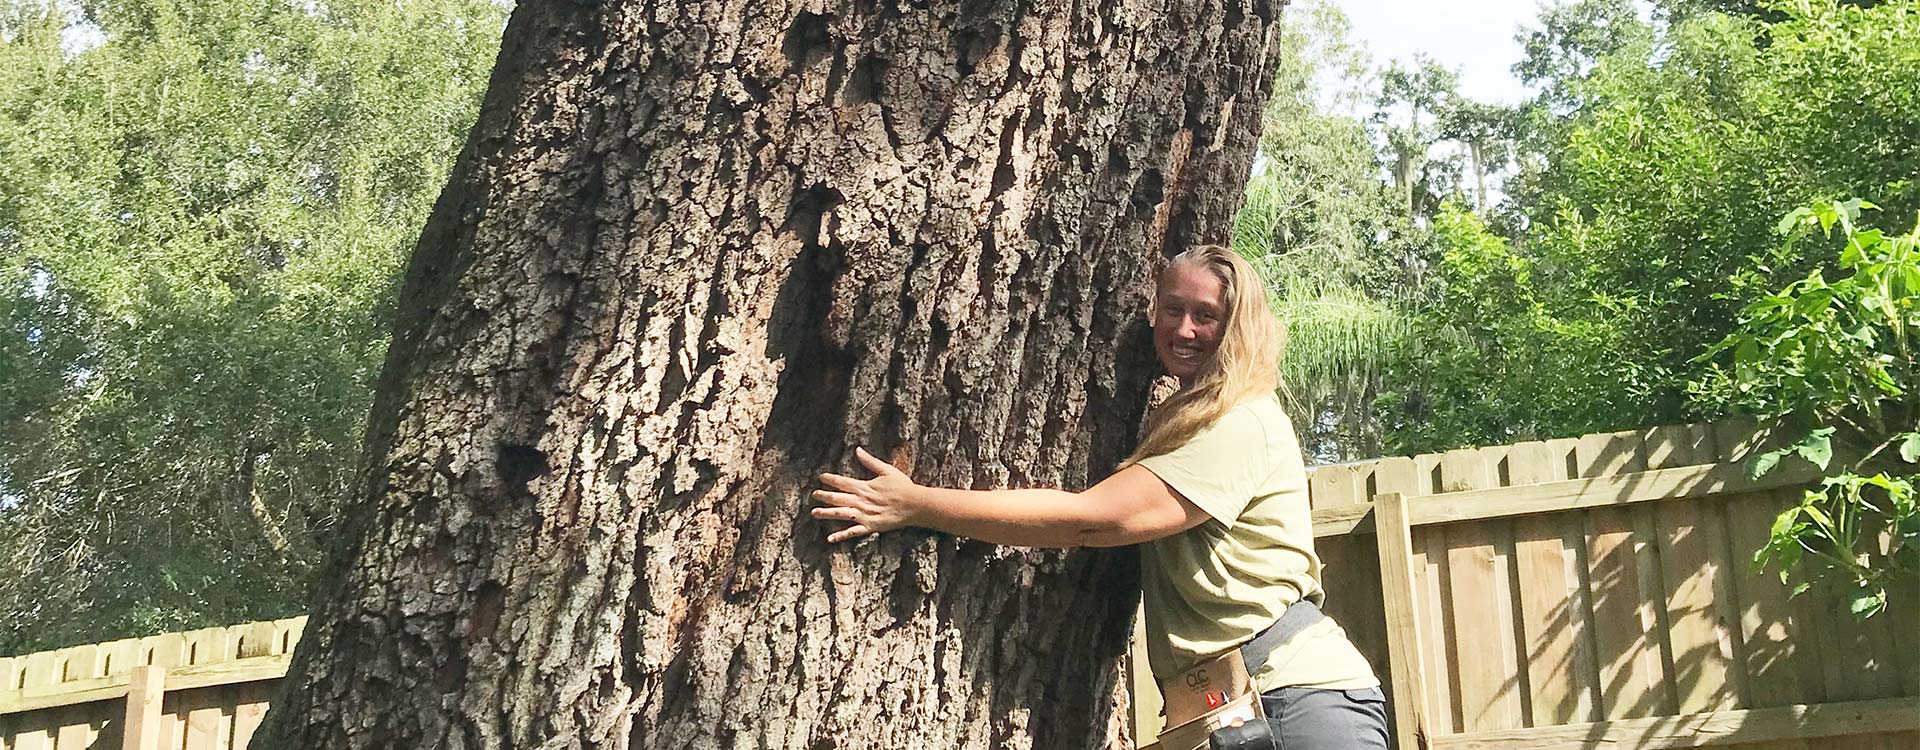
(1867, 238)
(1910, 448)
(1761, 463)
(1880, 480)
(1789, 559)
(1819, 516)
(1884, 381)
(1793, 219)
(1783, 523)
(1865, 603)
(1827, 216)
(1814, 301)
(1817, 448)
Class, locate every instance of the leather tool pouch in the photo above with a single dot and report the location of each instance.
(1215, 693)
(1219, 692)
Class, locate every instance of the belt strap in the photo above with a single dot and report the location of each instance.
(1295, 620)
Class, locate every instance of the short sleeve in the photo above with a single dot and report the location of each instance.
(1220, 468)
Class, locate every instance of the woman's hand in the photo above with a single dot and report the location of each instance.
(870, 506)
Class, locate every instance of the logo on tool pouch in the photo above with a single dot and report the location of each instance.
(1197, 679)
(1216, 699)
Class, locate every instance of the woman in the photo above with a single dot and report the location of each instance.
(1216, 495)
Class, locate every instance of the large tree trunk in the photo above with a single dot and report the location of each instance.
(692, 254)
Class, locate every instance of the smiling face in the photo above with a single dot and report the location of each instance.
(1189, 316)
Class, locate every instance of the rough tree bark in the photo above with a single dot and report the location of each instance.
(692, 253)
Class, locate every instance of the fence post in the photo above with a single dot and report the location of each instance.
(145, 688)
(1408, 688)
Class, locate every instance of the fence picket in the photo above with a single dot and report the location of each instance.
(205, 728)
(1430, 593)
(253, 639)
(167, 650)
(1552, 609)
(287, 632)
(1495, 457)
(42, 669)
(252, 701)
(1407, 683)
(1333, 485)
(34, 739)
(1350, 569)
(208, 724)
(1782, 667)
(1400, 475)
(9, 680)
(143, 723)
(1486, 667)
(38, 670)
(74, 732)
(119, 657)
(1699, 599)
(74, 728)
(1562, 455)
(1149, 716)
(209, 646)
(1626, 649)
(1848, 662)
(1906, 595)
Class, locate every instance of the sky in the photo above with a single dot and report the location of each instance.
(1474, 37)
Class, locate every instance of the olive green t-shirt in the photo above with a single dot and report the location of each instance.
(1215, 586)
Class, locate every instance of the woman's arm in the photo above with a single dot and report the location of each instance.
(1129, 507)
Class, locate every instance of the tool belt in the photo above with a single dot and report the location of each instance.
(1219, 692)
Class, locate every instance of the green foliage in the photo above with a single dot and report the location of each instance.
(1832, 364)
(1315, 190)
(1652, 171)
(1572, 39)
(1314, 208)
(1493, 323)
(201, 214)
(1635, 233)
(1411, 103)
(203, 205)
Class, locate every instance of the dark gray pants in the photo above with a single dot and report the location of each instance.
(1309, 719)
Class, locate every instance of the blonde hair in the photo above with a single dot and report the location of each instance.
(1247, 363)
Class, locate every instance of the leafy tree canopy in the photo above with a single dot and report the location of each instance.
(1648, 188)
(202, 208)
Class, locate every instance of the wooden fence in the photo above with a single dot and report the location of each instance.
(1580, 593)
(1595, 592)
(200, 690)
